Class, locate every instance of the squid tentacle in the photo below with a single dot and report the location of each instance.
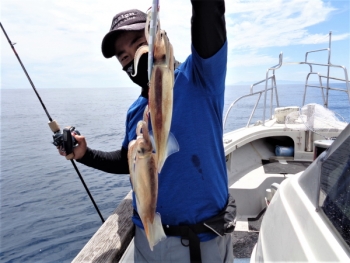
(139, 52)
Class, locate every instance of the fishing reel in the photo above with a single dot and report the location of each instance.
(65, 140)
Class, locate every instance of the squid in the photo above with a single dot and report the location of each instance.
(144, 180)
(161, 84)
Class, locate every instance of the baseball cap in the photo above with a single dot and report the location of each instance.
(125, 21)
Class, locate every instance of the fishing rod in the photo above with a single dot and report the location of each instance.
(152, 34)
(65, 140)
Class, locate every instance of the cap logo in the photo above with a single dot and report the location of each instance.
(123, 18)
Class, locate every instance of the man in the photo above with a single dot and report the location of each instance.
(192, 187)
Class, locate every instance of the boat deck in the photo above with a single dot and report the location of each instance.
(242, 248)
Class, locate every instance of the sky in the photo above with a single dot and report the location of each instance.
(59, 41)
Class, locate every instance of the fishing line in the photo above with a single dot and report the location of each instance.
(53, 125)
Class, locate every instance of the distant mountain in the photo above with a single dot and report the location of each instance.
(278, 82)
(291, 82)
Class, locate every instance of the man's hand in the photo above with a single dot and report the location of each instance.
(79, 150)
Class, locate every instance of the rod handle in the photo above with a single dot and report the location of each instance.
(54, 126)
(70, 156)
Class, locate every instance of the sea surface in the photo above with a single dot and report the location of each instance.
(46, 214)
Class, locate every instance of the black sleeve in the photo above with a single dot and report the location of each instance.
(208, 26)
(115, 162)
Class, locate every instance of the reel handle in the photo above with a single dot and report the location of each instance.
(68, 142)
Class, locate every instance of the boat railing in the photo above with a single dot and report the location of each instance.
(329, 65)
(111, 240)
(307, 84)
(264, 91)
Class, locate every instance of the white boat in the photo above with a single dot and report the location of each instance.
(308, 217)
(265, 163)
(269, 185)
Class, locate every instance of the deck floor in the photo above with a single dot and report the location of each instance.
(243, 244)
(284, 167)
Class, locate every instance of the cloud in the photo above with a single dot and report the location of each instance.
(254, 26)
(60, 41)
(249, 59)
(319, 38)
(275, 23)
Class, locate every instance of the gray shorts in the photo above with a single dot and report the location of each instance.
(170, 250)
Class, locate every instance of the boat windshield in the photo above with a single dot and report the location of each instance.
(335, 189)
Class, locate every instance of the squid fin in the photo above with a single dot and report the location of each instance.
(172, 147)
(155, 231)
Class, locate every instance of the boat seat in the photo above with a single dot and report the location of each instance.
(249, 191)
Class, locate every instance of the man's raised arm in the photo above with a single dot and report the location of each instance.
(208, 26)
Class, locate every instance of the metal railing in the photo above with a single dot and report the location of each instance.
(320, 76)
(252, 93)
(274, 86)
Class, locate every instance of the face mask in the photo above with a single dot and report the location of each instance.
(141, 78)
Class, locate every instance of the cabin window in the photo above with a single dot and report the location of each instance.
(335, 189)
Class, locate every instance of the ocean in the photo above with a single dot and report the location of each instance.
(46, 214)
